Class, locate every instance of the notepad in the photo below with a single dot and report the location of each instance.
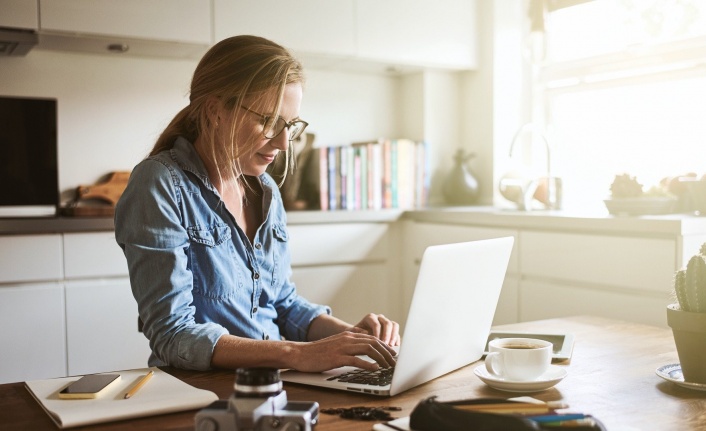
(164, 394)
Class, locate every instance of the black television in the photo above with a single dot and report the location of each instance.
(29, 177)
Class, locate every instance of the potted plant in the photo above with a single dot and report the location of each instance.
(687, 318)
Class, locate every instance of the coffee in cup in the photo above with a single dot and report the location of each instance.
(518, 359)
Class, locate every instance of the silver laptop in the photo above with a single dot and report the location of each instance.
(448, 322)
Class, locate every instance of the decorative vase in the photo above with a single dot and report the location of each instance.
(460, 186)
(689, 331)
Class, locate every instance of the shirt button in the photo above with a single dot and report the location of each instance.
(256, 276)
(258, 246)
(254, 310)
(265, 337)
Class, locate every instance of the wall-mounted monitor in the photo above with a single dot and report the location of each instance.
(29, 179)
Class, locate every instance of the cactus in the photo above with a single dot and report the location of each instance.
(690, 283)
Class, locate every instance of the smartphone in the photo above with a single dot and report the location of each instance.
(89, 386)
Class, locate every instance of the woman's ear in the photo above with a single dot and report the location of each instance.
(214, 110)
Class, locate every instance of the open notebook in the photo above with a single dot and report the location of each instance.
(163, 394)
(452, 309)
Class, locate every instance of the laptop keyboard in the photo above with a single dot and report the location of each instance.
(380, 377)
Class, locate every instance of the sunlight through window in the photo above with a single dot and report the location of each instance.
(623, 89)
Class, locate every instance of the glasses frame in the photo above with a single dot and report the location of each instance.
(287, 125)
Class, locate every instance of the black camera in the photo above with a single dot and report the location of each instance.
(258, 404)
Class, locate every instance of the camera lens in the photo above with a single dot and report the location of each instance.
(257, 382)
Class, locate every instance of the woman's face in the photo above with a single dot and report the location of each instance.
(263, 150)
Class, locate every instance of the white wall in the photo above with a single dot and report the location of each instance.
(494, 106)
(112, 108)
(345, 107)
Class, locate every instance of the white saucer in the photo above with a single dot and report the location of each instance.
(553, 376)
(672, 373)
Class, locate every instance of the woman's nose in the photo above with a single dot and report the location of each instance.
(281, 141)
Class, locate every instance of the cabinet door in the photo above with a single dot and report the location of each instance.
(603, 260)
(101, 325)
(32, 332)
(421, 235)
(435, 34)
(305, 26)
(545, 300)
(351, 291)
(94, 254)
(167, 20)
(30, 258)
(19, 14)
(508, 308)
(325, 244)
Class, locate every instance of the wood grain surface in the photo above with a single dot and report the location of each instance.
(611, 375)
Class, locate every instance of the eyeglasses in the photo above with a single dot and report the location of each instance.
(273, 126)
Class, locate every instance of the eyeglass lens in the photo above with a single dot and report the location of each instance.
(273, 129)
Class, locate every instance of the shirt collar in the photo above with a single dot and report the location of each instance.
(185, 155)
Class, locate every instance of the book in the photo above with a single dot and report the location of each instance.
(323, 178)
(163, 394)
(333, 180)
(379, 174)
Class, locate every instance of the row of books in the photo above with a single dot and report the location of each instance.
(387, 173)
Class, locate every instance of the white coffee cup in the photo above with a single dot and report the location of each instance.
(518, 359)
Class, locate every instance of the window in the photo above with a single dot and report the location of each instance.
(621, 88)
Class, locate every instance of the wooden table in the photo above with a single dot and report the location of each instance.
(611, 375)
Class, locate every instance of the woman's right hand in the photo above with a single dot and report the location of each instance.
(342, 350)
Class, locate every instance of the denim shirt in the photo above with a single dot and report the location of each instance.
(193, 271)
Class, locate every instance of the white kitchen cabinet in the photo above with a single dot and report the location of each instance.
(337, 243)
(321, 27)
(542, 299)
(419, 236)
(32, 332)
(172, 28)
(351, 291)
(348, 266)
(169, 20)
(93, 254)
(70, 298)
(31, 258)
(358, 34)
(23, 14)
(101, 313)
(440, 34)
(101, 327)
(644, 264)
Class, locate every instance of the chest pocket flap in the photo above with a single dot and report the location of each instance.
(210, 236)
(280, 232)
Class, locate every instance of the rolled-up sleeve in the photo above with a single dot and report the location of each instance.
(296, 313)
(149, 230)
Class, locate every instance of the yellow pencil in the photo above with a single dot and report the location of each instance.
(139, 384)
(513, 407)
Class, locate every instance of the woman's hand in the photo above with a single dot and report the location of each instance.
(340, 350)
(379, 326)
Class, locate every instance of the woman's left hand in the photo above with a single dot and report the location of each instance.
(388, 331)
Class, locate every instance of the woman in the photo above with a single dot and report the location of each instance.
(203, 229)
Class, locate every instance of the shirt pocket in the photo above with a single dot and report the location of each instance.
(279, 230)
(209, 236)
(212, 262)
(280, 253)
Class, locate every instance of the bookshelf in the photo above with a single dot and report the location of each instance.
(374, 175)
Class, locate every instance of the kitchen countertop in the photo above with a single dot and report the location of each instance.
(598, 222)
(594, 222)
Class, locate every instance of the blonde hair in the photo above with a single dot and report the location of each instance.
(234, 69)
